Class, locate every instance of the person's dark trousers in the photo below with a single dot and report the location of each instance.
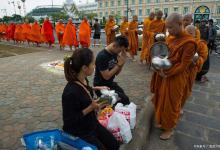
(102, 139)
(121, 94)
(211, 45)
(205, 69)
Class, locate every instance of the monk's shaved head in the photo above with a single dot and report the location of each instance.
(111, 17)
(174, 24)
(159, 14)
(60, 21)
(85, 18)
(70, 20)
(191, 30)
(135, 18)
(125, 19)
(152, 15)
(187, 20)
(175, 18)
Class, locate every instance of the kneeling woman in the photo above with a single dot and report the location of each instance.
(79, 116)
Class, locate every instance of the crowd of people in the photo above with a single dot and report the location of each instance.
(38, 34)
(170, 87)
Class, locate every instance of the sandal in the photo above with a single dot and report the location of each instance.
(166, 135)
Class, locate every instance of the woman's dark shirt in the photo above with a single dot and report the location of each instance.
(74, 100)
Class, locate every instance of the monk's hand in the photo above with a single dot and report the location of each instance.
(162, 74)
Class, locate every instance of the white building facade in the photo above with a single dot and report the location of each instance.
(142, 8)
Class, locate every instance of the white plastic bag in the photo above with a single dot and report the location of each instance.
(112, 94)
(129, 111)
(118, 121)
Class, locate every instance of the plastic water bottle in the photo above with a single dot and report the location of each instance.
(87, 148)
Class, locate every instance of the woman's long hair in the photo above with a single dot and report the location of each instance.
(74, 64)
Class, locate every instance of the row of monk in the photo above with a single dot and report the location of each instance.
(66, 35)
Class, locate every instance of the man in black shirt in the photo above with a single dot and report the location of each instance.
(109, 63)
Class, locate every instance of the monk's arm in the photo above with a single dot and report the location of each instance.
(203, 54)
(186, 59)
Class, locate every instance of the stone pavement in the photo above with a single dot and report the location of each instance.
(30, 97)
(199, 127)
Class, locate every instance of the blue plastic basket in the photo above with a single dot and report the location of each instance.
(29, 140)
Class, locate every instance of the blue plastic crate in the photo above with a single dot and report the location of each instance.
(29, 140)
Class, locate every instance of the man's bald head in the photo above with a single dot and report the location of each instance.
(125, 19)
(174, 24)
(135, 18)
(159, 14)
(70, 20)
(151, 16)
(187, 20)
(191, 30)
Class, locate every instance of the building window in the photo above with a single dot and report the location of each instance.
(166, 11)
(185, 10)
(147, 1)
(112, 12)
(133, 2)
(176, 9)
(100, 4)
(156, 10)
(106, 14)
(157, 1)
(119, 13)
(166, 0)
(119, 2)
(140, 1)
(112, 3)
(147, 12)
(125, 2)
(218, 10)
(125, 13)
(106, 4)
(140, 12)
(100, 14)
(132, 12)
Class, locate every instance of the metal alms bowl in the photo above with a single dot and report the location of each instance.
(159, 55)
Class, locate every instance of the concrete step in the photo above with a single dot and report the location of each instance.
(141, 132)
(155, 143)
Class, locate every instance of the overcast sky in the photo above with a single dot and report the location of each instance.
(29, 4)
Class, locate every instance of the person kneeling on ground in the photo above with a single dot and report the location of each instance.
(79, 107)
(109, 63)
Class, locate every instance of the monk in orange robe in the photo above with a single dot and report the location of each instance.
(188, 20)
(48, 32)
(84, 33)
(11, 31)
(60, 28)
(4, 30)
(35, 34)
(148, 39)
(124, 27)
(109, 31)
(133, 37)
(26, 30)
(196, 65)
(158, 25)
(69, 37)
(170, 84)
(18, 36)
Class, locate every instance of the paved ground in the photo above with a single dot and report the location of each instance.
(199, 127)
(30, 97)
(30, 100)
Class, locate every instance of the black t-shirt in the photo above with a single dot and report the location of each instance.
(104, 61)
(74, 100)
